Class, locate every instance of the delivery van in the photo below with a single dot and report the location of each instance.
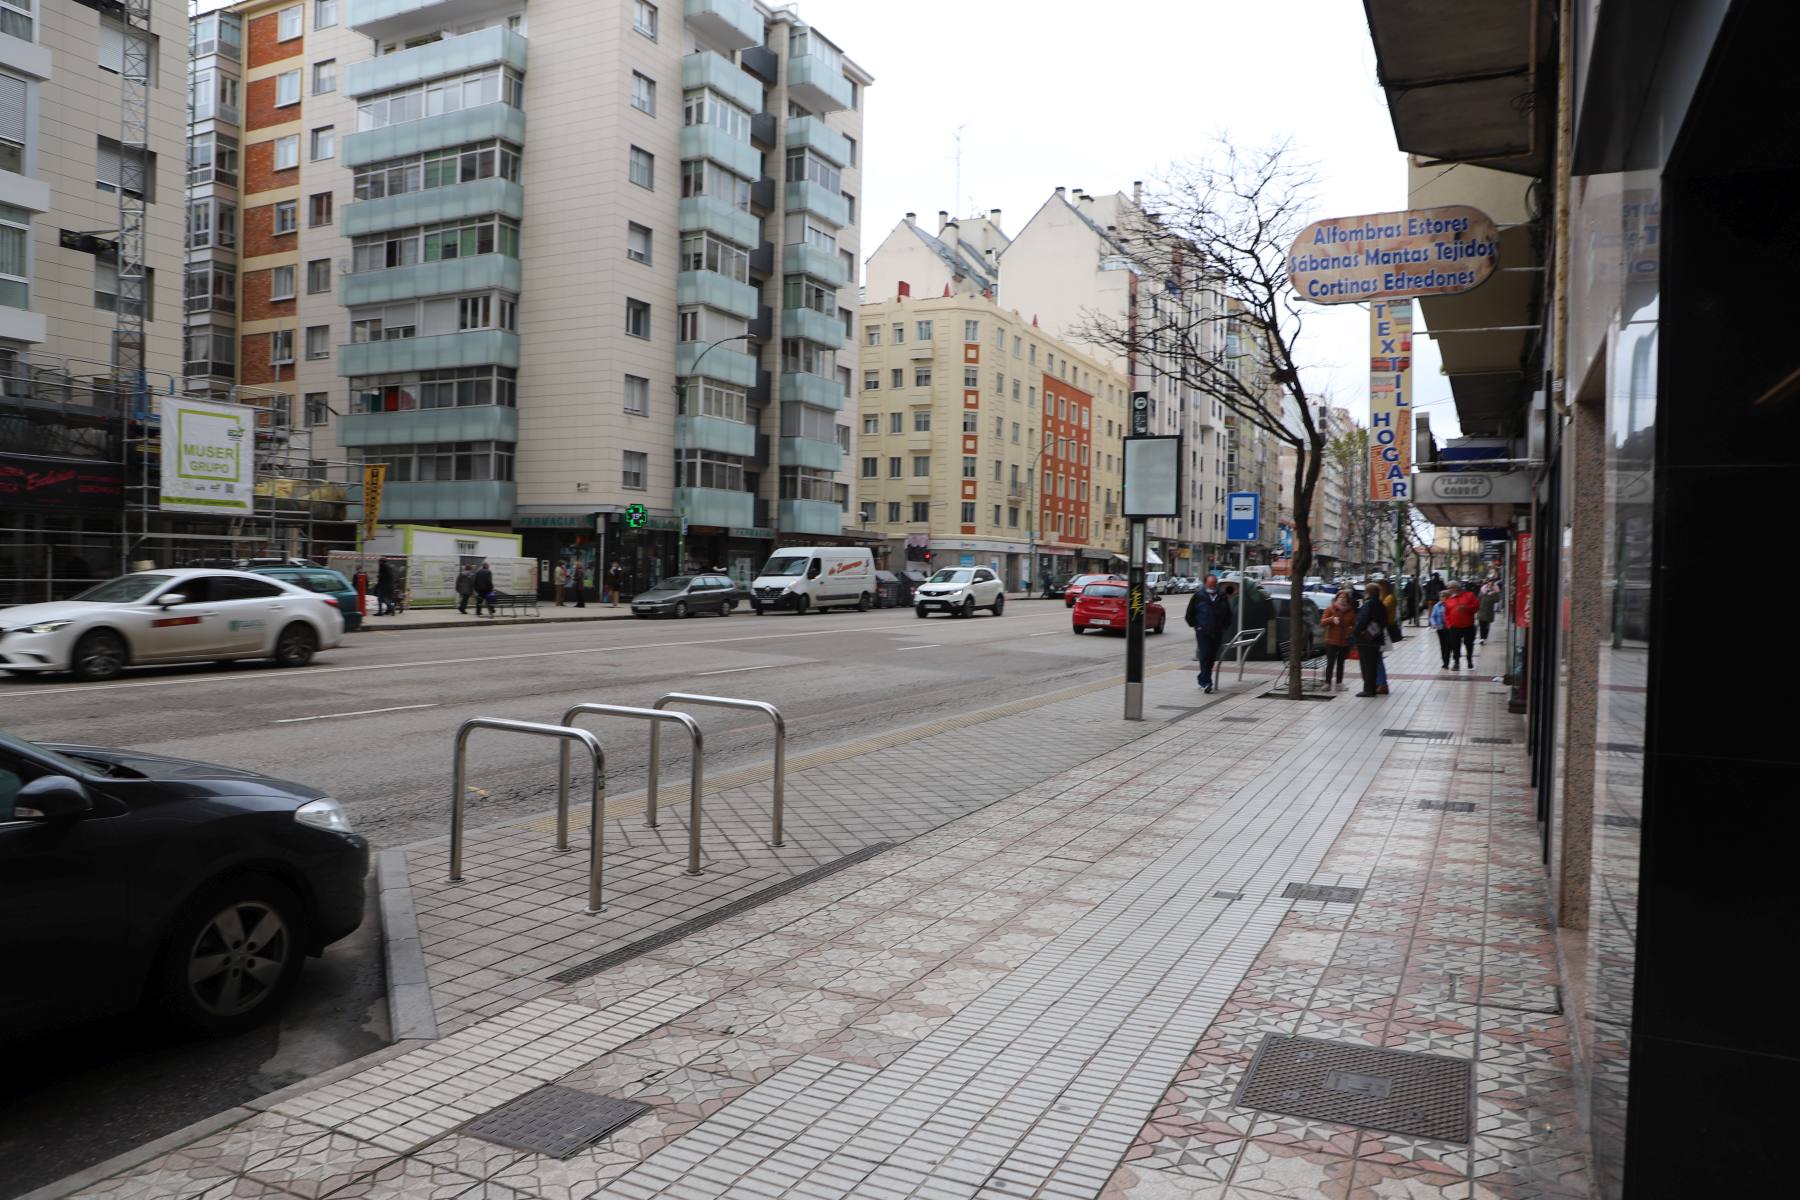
(806, 578)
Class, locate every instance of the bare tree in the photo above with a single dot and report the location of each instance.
(1216, 312)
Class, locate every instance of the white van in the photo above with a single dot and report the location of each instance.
(811, 577)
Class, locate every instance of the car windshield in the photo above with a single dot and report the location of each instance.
(673, 584)
(60, 761)
(953, 575)
(791, 564)
(1087, 579)
(126, 589)
(1103, 589)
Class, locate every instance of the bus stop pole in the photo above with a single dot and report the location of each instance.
(1134, 623)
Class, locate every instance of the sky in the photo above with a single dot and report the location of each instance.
(1096, 95)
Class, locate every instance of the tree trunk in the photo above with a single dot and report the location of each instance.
(1306, 478)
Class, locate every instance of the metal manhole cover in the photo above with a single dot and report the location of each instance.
(1228, 895)
(1396, 1091)
(1433, 735)
(1447, 805)
(1320, 891)
(554, 1121)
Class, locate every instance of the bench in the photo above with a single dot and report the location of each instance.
(516, 606)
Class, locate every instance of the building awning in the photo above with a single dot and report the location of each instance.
(1152, 557)
(1471, 499)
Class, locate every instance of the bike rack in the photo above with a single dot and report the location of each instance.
(773, 713)
(656, 718)
(1245, 639)
(596, 821)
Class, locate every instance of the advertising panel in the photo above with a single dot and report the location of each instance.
(374, 477)
(208, 457)
(1390, 400)
(1382, 256)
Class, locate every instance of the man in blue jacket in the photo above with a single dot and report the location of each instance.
(1209, 615)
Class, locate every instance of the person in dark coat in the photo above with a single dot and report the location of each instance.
(578, 577)
(385, 589)
(1412, 595)
(1209, 616)
(465, 584)
(1371, 634)
(481, 586)
(1434, 587)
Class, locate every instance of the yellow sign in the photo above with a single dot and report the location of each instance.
(1390, 400)
(374, 475)
(1421, 252)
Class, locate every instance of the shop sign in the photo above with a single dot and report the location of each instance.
(374, 479)
(1390, 400)
(208, 457)
(60, 485)
(663, 524)
(1521, 589)
(1394, 255)
(552, 520)
(753, 533)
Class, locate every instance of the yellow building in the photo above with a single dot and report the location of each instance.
(982, 440)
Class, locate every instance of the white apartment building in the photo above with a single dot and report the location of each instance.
(961, 259)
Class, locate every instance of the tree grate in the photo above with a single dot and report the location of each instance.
(1446, 806)
(554, 1121)
(1324, 892)
(1395, 1091)
(612, 958)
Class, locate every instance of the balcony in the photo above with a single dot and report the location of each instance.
(800, 259)
(762, 325)
(704, 213)
(443, 502)
(728, 24)
(804, 452)
(815, 390)
(482, 123)
(715, 506)
(761, 62)
(451, 203)
(705, 69)
(709, 141)
(722, 363)
(825, 141)
(828, 206)
(452, 56)
(812, 325)
(811, 516)
(715, 433)
(477, 273)
(762, 195)
(762, 260)
(475, 348)
(763, 130)
(397, 20)
(477, 423)
(818, 82)
(716, 291)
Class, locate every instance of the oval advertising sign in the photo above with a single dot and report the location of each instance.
(1421, 252)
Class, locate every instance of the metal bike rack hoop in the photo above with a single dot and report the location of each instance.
(773, 713)
(656, 717)
(596, 821)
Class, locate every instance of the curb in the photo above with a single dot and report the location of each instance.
(138, 1155)
(411, 1016)
(488, 623)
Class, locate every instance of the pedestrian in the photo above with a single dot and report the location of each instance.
(481, 586)
(1390, 599)
(1490, 601)
(562, 582)
(1434, 588)
(465, 587)
(578, 580)
(1413, 596)
(615, 583)
(1209, 616)
(1339, 618)
(384, 589)
(1460, 605)
(1370, 633)
(1445, 640)
(1372, 591)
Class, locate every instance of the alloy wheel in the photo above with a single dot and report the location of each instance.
(238, 960)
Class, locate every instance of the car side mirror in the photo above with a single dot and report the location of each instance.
(170, 598)
(52, 798)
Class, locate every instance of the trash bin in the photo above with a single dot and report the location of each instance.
(888, 591)
(909, 583)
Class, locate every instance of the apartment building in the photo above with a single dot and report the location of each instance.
(961, 259)
(624, 333)
(982, 439)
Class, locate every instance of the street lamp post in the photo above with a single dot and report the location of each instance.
(681, 382)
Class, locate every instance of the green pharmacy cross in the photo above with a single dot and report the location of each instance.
(636, 516)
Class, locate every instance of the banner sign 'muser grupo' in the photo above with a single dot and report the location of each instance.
(208, 457)
(1422, 252)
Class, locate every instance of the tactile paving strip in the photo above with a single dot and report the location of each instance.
(1320, 891)
(554, 1121)
(1395, 1091)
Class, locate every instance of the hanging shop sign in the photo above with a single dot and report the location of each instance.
(1390, 400)
(374, 479)
(208, 457)
(1419, 252)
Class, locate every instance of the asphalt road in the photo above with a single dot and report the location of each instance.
(372, 722)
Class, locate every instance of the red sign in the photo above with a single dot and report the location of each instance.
(1521, 591)
(43, 483)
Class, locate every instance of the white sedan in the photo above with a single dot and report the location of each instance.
(169, 616)
(961, 590)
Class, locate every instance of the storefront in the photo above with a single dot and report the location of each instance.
(738, 552)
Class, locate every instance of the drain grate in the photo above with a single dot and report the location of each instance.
(1620, 822)
(1620, 747)
(554, 1121)
(1396, 1091)
(1228, 895)
(612, 958)
(1243, 720)
(1430, 735)
(1320, 891)
(1446, 806)
(1490, 741)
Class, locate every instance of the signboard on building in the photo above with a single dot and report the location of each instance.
(56, 485)
(1390, 400)
(1521, 587)
(374, 479)
(1420, 252)
(208, 457)
(1243, 514)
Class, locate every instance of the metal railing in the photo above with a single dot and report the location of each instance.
(656, 717)
(596, 818)
(1245, 639)
(773, 713)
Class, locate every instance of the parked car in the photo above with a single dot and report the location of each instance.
(1102, 606)
(169, 617)
(685, 595)
(960, 590)
(1273, 613)
(1075, 585)
(136, 878)
(325, 582)
(808, 577)
(1055, 586)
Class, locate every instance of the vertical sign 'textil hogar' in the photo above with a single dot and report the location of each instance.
(1390, 400)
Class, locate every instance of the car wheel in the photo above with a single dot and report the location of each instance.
(862, 603)
(232, 954)
(727, 608)
(1079, 628)
(1159, 625)
(681, 608)
(801, 605)
(968, 608)
(999, 604)
(98, 655)
(919, 611)
(756, 608)
(296, 645)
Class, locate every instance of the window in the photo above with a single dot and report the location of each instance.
(287, 152)
(318, 409)
(637, 242)
(634, 466)
(643, 18)
(106, 279)
(287, 216)
(968, 470)
(15, 19)
(437, 168)
(998, 467)
(490, 85)
(702, 177)
(921, 466)
(872, 424)
(212, 157)
(318, 342)
(923, 333)
(897, 378)
(710, 398)
(971, 331)
(325, 76)
(971, 377)
(318, 276)
(212, 223)
(1012, 518)
(281, 283)
(289, 28)
(287, 88)
(643, 93)
(705, 252)
(704, 106)
(207, 287)
(871, 381)
(318, 209)
(637, 396)
(281, 347)
(324, 13)
(922, 377)
(1000, 383)
(968, 512)
(643, 168)
(849, 208)
(899, 335)
(922, 421)
(871, 467)
(637, 318)
(803, 166)
(872, 335)
(432, 461)
(865, 512)
(894, 467)
(893, 511)
(115, 170)
(970, 421)
(324, 142)
(921, 512)
(851, 143)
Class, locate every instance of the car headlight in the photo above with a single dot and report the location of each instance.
(45, 627)
(325, 814)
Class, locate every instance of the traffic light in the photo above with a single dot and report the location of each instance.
(928, 556)
(636, 516)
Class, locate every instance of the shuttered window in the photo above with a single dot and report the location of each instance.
(12, 108)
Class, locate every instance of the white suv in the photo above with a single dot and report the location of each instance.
(960, 590)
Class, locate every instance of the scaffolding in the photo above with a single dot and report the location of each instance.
(134, 184)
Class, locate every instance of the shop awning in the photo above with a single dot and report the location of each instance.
(1471, 499)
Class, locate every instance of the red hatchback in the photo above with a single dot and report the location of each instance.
(1102, 606)
(1080, 582)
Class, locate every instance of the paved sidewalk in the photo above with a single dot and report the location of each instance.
(1054, 986)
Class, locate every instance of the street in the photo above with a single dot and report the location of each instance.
(372, 723)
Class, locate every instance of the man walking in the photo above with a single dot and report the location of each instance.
(1209, 616)
(615, 583)
(578, 578)
(481, 585)
(1434, 587)
(1412, 594)
(465, 584)
(562, 582)
(1460, 605)
(1371, 635)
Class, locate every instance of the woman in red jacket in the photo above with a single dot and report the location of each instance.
(1459, 621)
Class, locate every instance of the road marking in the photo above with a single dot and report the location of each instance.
(361, 712)
(1046, 633)
(735, 670)
(923, 646)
